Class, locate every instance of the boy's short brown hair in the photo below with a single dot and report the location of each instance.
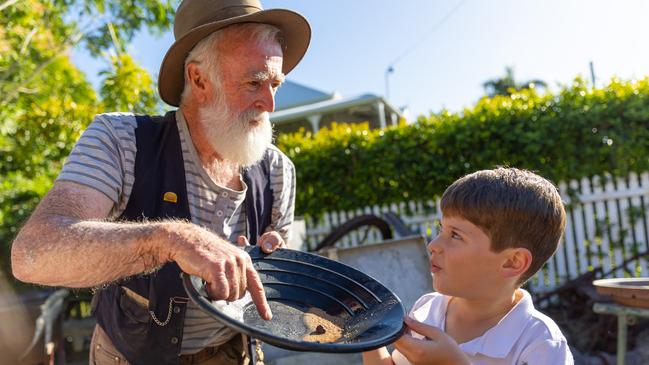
(515, 208)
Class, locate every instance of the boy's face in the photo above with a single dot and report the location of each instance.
(461, 260)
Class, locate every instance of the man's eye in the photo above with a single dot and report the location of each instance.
(254, 84)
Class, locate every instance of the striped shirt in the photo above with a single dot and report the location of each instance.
(104, 159)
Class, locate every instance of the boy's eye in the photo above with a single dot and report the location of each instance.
(455, 235)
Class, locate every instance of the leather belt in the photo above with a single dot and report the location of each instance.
(197, 358)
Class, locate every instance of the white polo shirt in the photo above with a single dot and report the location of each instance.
(524, 336)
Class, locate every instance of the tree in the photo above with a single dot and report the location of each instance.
(507, 85)
(46, 101)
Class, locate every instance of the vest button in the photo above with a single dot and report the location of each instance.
(176, 309)
(219, 213)
(174, 340)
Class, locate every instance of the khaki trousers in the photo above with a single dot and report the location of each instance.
(233, 352)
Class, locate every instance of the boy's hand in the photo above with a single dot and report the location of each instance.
(436, 348)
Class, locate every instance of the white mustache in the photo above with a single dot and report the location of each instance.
(254, 116)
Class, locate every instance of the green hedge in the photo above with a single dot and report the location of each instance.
(574, 133)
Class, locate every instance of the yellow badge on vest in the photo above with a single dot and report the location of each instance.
(170, 197)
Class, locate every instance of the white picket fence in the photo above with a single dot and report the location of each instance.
(606, 224)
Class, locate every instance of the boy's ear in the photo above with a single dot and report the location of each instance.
(517, 261)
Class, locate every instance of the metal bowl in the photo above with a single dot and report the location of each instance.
(301, 285)
(633, 292)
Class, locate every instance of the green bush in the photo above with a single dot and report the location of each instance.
(575, 133)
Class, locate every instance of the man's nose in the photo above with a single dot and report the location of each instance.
(266, 99)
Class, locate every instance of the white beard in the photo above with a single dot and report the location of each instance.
(233, 136)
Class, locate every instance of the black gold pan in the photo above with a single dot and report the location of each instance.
(318, 305)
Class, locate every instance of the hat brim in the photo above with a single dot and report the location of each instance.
(293, 26)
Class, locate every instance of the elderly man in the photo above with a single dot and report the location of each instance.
(141, 199)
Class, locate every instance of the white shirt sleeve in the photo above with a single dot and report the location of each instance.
(545, 352)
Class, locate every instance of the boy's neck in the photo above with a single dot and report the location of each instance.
(467, 319)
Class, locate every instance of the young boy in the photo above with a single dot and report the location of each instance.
(498, 228)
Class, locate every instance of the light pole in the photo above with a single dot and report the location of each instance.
(592, 73)
(388, 71)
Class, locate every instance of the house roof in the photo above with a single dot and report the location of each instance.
(292, 94)
(331, 105)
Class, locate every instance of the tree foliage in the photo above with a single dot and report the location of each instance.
(47, 101)
(127, 86)
(508, 85)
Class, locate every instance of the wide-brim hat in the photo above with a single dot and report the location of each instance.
(197, 19)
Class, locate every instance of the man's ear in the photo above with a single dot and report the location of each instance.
(198, 82)
(517, 261)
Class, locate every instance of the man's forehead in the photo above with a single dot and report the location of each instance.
(254, 61)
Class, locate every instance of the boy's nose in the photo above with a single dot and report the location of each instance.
(432, 246)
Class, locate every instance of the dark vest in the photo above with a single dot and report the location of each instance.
(144, 315)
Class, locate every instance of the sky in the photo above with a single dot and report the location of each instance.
(442, 51)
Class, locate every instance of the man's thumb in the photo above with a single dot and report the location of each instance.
(242, 241)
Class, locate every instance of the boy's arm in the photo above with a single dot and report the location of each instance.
(377, 357)
(436, 348)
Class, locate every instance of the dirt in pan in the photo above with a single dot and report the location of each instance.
(322, 327)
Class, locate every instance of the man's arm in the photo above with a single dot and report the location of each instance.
(66, 243)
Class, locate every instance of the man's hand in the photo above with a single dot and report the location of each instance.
(269, 241)
(226, 269)
(436, 348)
(67, 241)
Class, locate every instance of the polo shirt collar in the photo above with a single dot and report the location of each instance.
(499, 340)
